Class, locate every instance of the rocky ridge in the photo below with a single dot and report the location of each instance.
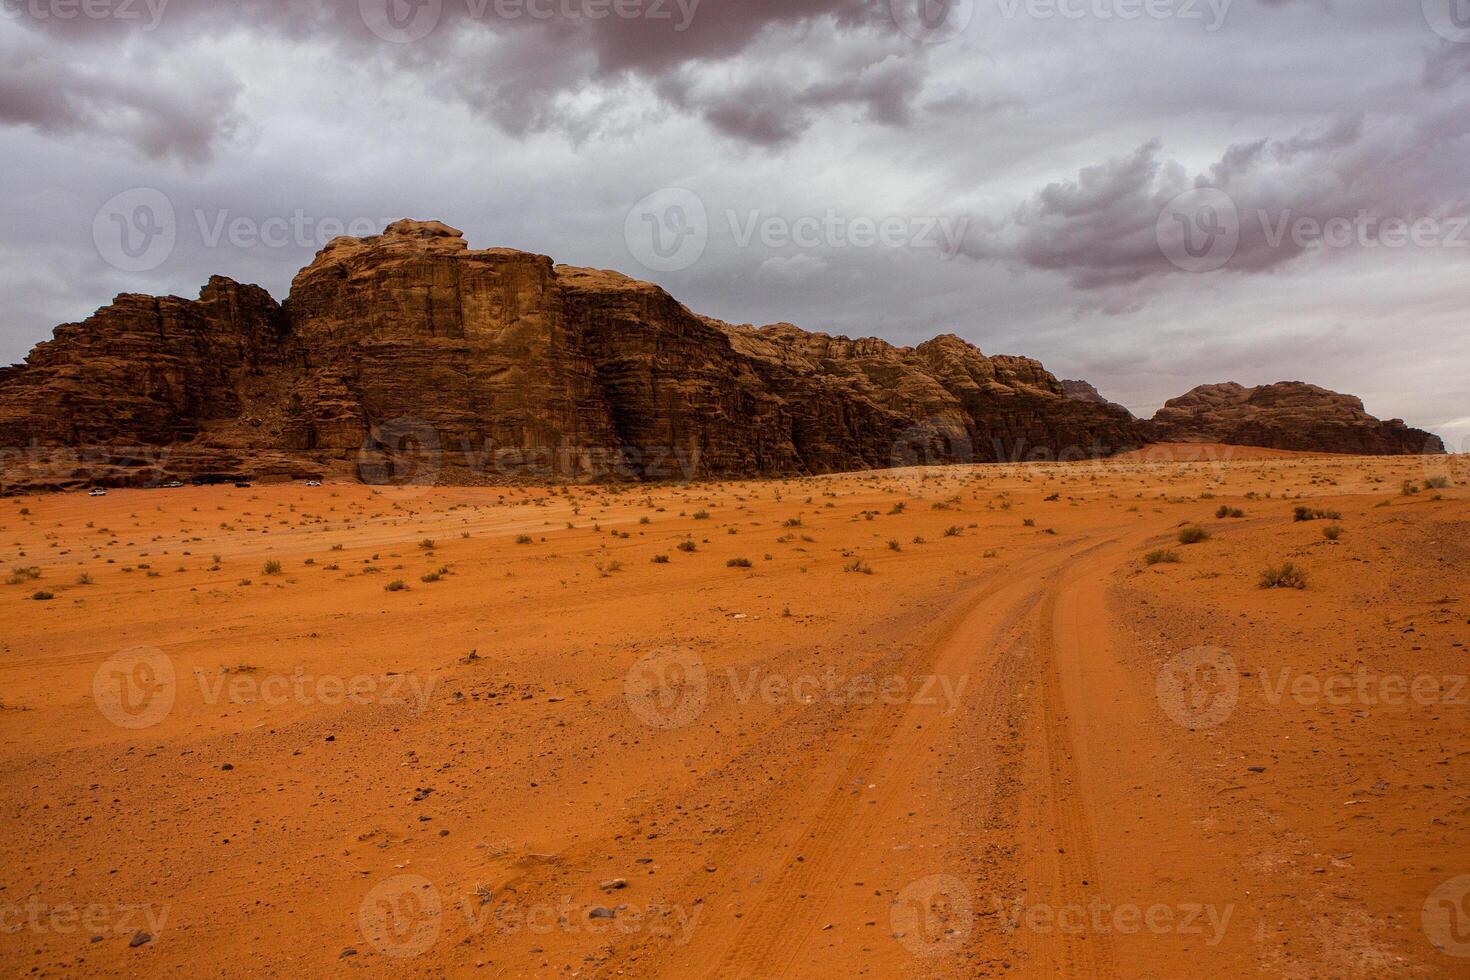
(1287, 415)
(409, 357)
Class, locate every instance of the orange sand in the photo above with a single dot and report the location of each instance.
(984, 758)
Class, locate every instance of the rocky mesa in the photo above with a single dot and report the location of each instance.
(410, 357)
(1287, 415)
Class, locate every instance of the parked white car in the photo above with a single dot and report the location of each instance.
(96, 492)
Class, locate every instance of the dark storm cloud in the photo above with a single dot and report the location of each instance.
(516, 61)
(1101, 229)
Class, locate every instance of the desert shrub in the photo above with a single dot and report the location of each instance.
(859, 566)
(701, 515)
(1408, 489)
(427, 544)
(431, 577)
(1286, 576)
(271, 567)
(1316, 514)
(1436, 483)
(1162, 556)
(791, 522)
(660, 559)
(42, 596)
(84, 579)
(1193, 534)
(893, 545)
(1228, 511)
(953, 531)
(738, 563)
(687, 545)
(1028, 522)
(1332, 532)
(523, 539)
(397, 585)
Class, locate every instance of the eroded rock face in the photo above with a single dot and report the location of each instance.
(409, 357)
(1288, 415)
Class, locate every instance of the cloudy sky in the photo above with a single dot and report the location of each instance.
(1149, 194)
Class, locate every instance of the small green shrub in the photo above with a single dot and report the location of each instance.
(1193, 534)
(1161, 557)
(738, 563)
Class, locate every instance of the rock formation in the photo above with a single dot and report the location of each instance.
(1287, 415)
(409, 357)
(1083, 391)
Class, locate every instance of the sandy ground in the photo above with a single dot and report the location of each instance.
(948, 722)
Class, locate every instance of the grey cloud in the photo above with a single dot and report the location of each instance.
(181, 110)
(1099, 228)
(519, 71)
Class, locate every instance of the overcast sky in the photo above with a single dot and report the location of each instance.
(1148, 194)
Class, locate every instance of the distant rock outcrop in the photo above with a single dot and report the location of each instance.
(408, 356)
(1084, 391)
(1287, 415)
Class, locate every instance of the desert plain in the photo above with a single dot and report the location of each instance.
(991, 720)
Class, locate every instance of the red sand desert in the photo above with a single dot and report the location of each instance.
(946, 722)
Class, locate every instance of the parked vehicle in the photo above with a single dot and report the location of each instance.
(96, 492)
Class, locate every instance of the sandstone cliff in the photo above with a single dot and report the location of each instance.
(409, 357)
(1288, 415)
